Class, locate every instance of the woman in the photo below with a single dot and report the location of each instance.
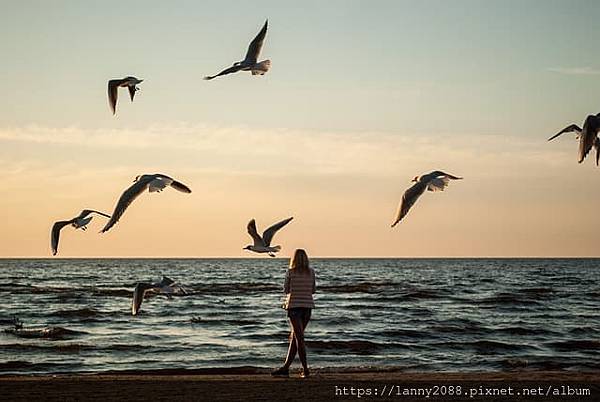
(299, 288)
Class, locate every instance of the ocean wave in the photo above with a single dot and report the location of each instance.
(112, 292)
(50, 333)
(487, 346)
(405, 333)
(364, 287)
(457, 326)
(354, 347)
(85, 312)
(507, 298)
(226, 321)
(576, 345)
(56, 347)
(19, 365)
(523, 331)
(537, 292)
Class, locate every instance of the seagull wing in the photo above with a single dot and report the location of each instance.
(439, 173)
(256, 45)
(589, 133)
(573, 128)
(86, 212)
(113, 93)
(258, 241)
(270, 232)
(126, 199)
(408, 200)
(180, 187)
(232, 69)
(166, 281)
(55, 234)
(174, 183)
(132, 90)
(138, 297)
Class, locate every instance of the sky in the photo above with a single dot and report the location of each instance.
(361, 97)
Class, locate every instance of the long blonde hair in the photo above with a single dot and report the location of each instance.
(299, 261)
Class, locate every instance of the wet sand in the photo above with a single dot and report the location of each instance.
(232, 385)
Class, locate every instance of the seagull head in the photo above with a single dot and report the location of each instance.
(247, 248)
(136, 178)
(416, 179)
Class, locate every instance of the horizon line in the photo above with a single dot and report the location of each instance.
(288, 257)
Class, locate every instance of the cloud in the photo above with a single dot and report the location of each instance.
(268, 152)
(575, 70)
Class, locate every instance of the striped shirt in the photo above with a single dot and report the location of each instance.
(299, 289)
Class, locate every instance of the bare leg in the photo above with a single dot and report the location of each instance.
(298, 326)
(292, 350)
(304, 325)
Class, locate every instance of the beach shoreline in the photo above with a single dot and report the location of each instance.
(327, 384)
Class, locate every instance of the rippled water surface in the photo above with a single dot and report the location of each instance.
(418, 314)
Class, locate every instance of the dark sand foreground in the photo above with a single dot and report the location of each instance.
(232, 385)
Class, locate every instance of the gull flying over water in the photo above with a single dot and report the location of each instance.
(113, 90)
(79, 222)
(153, 182)
(263, 244)
(434, 181)
(250, 62)
(166, 286)
(587, 136)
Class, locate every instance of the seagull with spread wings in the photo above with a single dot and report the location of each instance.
(250, 62)
(113, 90)
(587, 136)
(79, 222)
(263, 244)
(166, 286)
(434, 181)
(151, 182)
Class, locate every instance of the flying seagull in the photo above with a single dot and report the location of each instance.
(250, 62)
(587, 136)
(166, 286)
(79, 222)
(113, 90)
(263, 244)
(434, 181)
(153, 182)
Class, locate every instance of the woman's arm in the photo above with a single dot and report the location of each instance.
(286, 284)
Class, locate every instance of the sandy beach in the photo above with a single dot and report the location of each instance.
(232, 384)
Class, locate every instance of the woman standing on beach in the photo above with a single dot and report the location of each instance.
(299, 288)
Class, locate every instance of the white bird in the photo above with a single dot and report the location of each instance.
(263, 244)
(166, 286)
(587, 136)
(434, 181)
(153, 182)
(250, 62)
(79, 222)
(113, 90)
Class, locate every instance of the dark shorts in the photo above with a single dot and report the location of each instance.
(299, 312)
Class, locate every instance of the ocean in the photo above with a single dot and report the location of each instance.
(412, 314)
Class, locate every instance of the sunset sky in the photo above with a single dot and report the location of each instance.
(362, 96)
